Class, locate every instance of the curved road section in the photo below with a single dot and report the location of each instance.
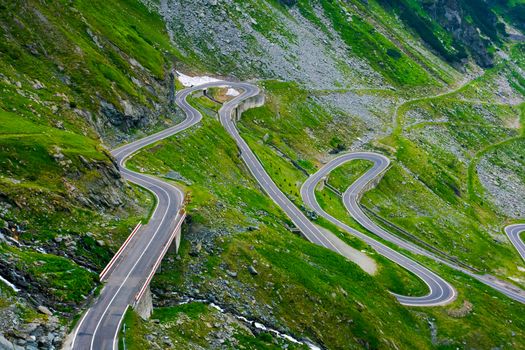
(513, 232)
(99, 327)
(440, 291)
(351, 201)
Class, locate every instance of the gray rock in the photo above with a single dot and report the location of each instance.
(312, 57)
(5, 344)
(167, 341)
(231, 273)
(29, 328)
(196, 249)
(44, 310)
(252, 270)
(38, 85)
(173, 175)
(31, 339)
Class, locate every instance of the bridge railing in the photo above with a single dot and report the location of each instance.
(113, 260)
(166, 246)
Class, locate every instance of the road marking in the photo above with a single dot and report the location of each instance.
(117, 331)
(132, 268)
(77, 329)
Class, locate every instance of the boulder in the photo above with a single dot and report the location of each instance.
(231, 273)
(44, 310)
(5, 344)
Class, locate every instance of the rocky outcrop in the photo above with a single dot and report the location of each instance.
(453, 29)
(452, 15)
(127, 117)
(18, 331)
(503, 185)
(39, 334)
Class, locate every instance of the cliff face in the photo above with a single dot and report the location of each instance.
(455, 29)
(471, 23)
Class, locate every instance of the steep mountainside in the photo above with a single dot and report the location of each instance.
(437, 86)
(69, 74)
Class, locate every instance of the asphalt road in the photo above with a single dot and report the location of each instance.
(99, 327)
(351, 201)
(440, 291)
(513, 232)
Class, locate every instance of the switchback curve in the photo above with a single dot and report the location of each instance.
(351, 201)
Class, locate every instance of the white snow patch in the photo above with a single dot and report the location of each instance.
(232, 92)
(9, 284)
(188, 81)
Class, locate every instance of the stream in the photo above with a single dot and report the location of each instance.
(254, 324)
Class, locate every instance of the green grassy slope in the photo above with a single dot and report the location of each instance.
(71, 72)
(60, 192)
(406, 191)
(343, 306)
(456, 324)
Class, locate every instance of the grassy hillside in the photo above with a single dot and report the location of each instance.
(470, 239)
(235, 245)
(381, 75)
(69, 73)
(303, 289)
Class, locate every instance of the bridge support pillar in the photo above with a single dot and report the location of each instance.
(177, 240)
(144, 306)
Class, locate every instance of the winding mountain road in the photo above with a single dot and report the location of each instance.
(441, 292)
(351, 201)
(99, 327)
(514, 232)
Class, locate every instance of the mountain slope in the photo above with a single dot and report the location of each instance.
(433, 85)
(69, 73)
